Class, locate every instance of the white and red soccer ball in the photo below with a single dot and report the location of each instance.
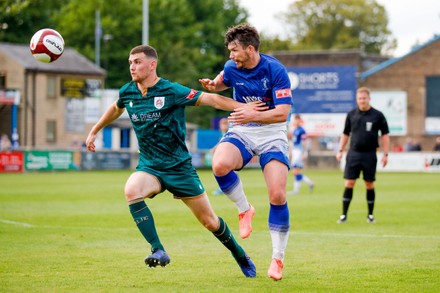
(47, 45)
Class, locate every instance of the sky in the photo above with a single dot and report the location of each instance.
(409, 23)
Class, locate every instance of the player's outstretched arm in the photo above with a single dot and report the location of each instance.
(207, 84)
(215, 85)
(112, 113)
(243, 115)
(227, 104)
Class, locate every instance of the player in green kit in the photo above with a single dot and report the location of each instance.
(156, 108)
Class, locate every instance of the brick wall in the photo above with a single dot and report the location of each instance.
(409, 74)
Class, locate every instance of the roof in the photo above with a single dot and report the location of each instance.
(71, 62)
(315, 52)
(392, 61)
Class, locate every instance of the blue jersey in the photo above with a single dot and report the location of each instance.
(299, 135)
(268, 82)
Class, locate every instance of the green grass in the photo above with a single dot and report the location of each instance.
(72, 232)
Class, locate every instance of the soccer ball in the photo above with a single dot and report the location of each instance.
(47, 45)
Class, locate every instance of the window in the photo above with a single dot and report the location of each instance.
(51, 131)
(51, 87)
(2, 81)
(125, 138)
(433, 96)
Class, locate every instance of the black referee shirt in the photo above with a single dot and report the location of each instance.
(364, 127)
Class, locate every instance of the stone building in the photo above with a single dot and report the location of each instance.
(47, 105)
(418, 75)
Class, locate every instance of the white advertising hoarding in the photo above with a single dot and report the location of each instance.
(324, 124)
(432, 125)
(393, 104)
(407, 162)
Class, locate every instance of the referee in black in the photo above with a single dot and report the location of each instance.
(363, 125)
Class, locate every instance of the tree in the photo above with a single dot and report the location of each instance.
(275, 43)
(188, 35)
(339, 24)
(121, 23)
(210, 53)
(19, 20)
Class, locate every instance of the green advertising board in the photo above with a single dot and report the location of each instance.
(49, 160)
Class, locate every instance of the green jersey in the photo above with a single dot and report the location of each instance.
(158, 120)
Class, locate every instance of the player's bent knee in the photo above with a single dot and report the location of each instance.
(277, 198)
(132, 193)
(220, 169)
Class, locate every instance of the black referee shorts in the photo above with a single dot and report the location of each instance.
(361, 161)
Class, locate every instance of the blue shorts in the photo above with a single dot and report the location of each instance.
(265, 143)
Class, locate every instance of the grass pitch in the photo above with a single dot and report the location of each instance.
(72, 232)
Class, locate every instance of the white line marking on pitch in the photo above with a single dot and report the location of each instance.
(16, 223)
(294, 232)
(366, 235)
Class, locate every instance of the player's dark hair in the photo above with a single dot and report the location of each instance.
(147, 50)
(245, 34)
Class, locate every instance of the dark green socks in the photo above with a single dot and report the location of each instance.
(144, 220)
(227, 239)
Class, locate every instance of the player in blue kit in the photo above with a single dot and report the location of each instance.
(299, 153)
(156, 108)
(255, 77)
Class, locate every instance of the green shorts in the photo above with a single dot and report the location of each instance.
(182, 180)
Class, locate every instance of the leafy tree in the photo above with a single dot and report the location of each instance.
(275, 43)
(210, 53)
(20, 19)
(339, 24)
(188, 35)
(121, 26)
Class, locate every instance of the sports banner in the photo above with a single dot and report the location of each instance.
(105, 160)
(49, 160)
(323, 96)
(330, 89)
(11, 162)
(393, 104)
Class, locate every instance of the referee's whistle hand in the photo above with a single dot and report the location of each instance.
(384, 161)
(339, 156)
